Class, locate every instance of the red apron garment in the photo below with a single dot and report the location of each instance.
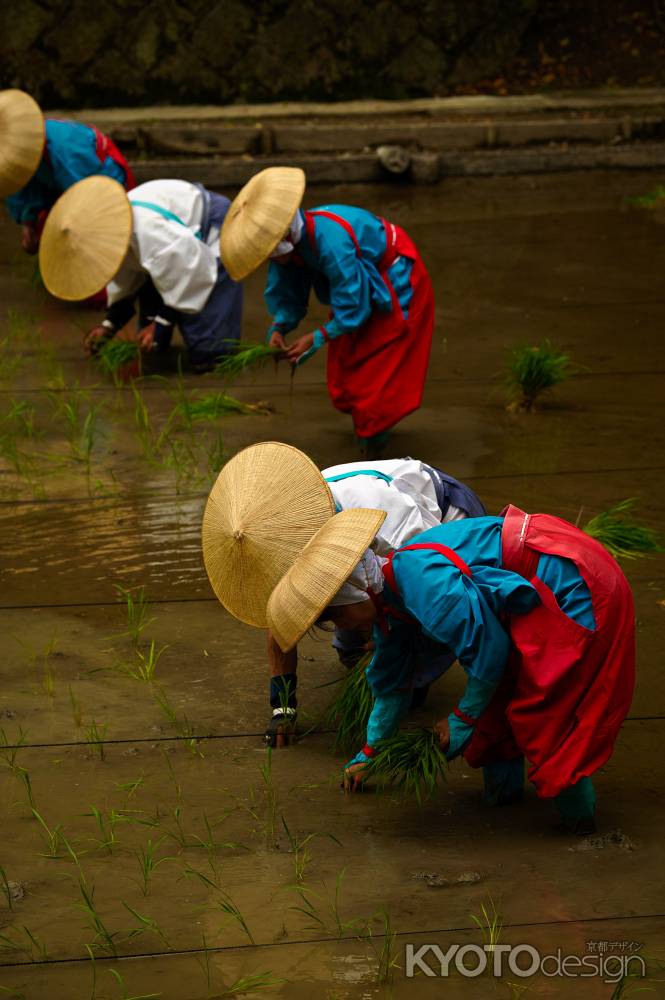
(377, 373)
(106, 147)
(567, 689)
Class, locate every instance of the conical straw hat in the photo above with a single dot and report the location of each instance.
(318, 573)
(85, 238)
(258, 218)
(267, 503)
(21, 140)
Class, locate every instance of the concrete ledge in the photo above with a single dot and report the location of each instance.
(363, 168)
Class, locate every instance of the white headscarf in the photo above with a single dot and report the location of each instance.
(366, 576)
(288, 243)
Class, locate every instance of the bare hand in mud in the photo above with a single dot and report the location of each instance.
(95, 339)
(147, 337)
(30, 239)
(299, 347)
(355, 777)
(442, 729)
(277, 342)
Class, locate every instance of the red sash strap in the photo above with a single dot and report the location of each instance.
(368, 751)
(106, 147)
(470, 721)
(348, 229)
(389, 572)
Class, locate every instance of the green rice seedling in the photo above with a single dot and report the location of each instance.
(147, 924)
(125, 995)
(300, 850)
(12, 993)
(622, 534)
(531, 371)
(11, 746)
(116, 354)
(52, 835)
(651, 199)
(106, 825)
(308, 909)
(130, 787)
(144, 667)
(219, 404)
(265, 770)
(82, 425)
(226, 905)
(148, 863)
(351, 708)
(6, 888)
(243, 356)
(138, 611)
(387, 953)
(77, 712)
(143, 425)
(490, 924)
(95, 735)
(215, 455)
(104, 939)
(28, 944)
(19, 419)
(250, 984)
(24, 776)
(181, 723)
(412, 761)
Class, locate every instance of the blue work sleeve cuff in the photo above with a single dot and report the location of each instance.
(283, 691)
(460, 735)
(360, 758)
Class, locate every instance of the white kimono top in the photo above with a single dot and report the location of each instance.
(183, 267)
(401, 486)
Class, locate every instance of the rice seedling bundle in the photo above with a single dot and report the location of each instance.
(117, 353)
(532, 371)
(218, 404)
(621, 533)
(412, 761)
(351, 708)
(242, 357)
(651, 199)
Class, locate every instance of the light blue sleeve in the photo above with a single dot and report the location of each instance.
(350, 285)
(287, 296)
(25, 205)
(72, 152)
(453, 611)
(473, 703)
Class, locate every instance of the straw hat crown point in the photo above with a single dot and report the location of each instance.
(267, 503)
(258, 218)
(86, 238)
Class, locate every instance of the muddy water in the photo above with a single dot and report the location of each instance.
(513, 260)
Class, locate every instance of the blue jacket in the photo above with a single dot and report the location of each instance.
(352, 286)
(70, 155)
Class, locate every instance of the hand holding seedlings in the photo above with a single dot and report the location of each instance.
(147, 337)
(355, 776)
(95, 339)
(442, 730)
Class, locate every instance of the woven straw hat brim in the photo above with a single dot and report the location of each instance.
(86, 238)
(258, 218)
(266, 504)
(318, 573)
(21, 140)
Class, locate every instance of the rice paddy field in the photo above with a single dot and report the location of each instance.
(150, 845)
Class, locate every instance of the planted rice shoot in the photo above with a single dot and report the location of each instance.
(149, 863)
(138, 611)
(651, 199)
(243, 356)
(53, 836)
(125, 995)
(351, 708)
(532, 371)
(412, 761)
(490, 923)
(621, 533)
(218, 404)
(249, 984)
(95, 735)
(116, 354)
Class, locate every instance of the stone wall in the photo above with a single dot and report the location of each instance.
(122, 52)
